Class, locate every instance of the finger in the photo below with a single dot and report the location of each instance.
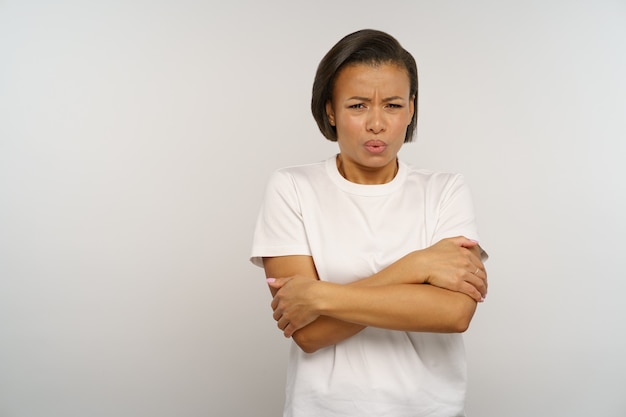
(289, 330)
(277, 315)
(465, 242)
(276, 282)
(476, 256)
(282, 323)
(477, 282)
(478, 272)
(472, 291)
(482, 274)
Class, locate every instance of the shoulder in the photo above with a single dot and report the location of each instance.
(434, 179)
(303, 170)
(297, 174)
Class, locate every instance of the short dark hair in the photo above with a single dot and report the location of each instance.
(367, 46)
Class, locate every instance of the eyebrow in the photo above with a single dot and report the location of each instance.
(385, 100)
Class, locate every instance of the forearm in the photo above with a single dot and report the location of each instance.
(323, 332)
(348, 309)
(402, 271)
(448, 264)
(327, 331)
(418, 308)
(394, 298)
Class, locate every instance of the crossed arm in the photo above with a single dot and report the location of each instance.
(319, 314)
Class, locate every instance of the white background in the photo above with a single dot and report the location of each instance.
(135, 141)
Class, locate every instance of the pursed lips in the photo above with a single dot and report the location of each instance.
(375, 146)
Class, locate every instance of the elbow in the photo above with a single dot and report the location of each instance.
(307, 348)
(462, 317)
(462, 324)
(456, 324)
(304, 343)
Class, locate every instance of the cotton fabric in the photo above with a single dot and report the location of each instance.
(353, 231)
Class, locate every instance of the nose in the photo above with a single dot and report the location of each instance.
(375, 121)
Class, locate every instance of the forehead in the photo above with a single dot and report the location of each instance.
(388, 77)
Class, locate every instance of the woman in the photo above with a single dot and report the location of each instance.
(374, 265)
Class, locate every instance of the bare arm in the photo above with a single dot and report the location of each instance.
(407, 307)
(320, 314)
(323, 331)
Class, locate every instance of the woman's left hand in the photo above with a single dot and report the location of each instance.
(294, 303)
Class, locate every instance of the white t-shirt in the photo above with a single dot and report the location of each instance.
(353, 231)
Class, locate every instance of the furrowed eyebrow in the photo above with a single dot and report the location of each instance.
(393, 98)
(358, 98)
(385, 100)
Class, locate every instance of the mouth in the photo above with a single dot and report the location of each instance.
(375, 146)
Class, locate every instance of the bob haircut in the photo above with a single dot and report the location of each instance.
(369, 47)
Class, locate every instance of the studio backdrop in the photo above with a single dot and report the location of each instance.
(136, 138)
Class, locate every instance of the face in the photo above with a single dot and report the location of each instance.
(371, 110)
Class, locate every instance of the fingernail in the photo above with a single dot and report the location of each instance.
(482, 300)
(270, 280)
(475, 241)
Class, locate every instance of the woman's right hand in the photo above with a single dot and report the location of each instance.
(453, 264)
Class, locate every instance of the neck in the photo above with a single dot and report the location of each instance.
(366, 175)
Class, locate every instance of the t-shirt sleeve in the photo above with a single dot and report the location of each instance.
(456, 213)
(279, 228)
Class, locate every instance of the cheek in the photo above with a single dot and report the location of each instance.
(402, 123)
(348, 124)
(409, 117)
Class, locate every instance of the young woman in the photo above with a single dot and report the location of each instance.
(374, 265)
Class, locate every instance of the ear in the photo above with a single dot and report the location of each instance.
(411, 109)
(330, 113)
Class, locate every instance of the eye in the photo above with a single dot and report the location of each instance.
(357, 106)
(394, 106)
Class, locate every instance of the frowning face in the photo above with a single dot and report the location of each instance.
(371, 109)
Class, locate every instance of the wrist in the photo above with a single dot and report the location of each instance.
(321, 299)
(414, 269)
